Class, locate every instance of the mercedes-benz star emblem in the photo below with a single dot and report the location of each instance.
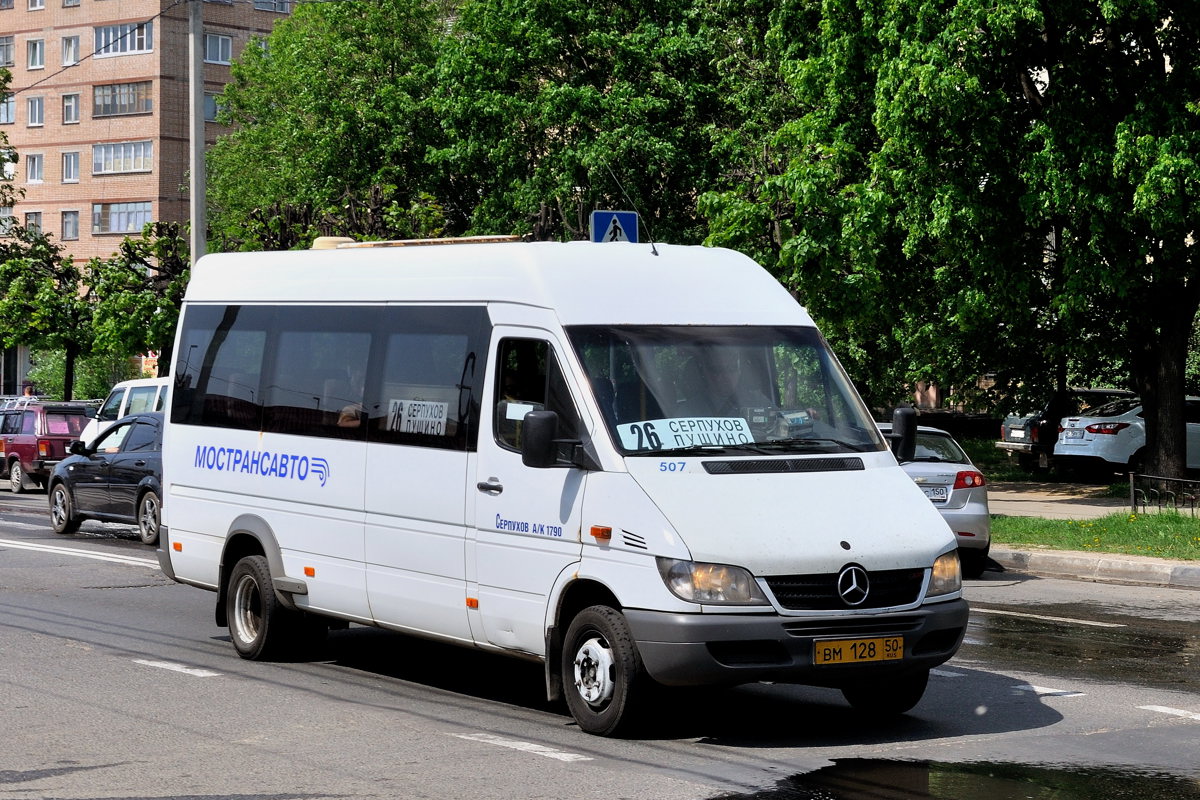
(853, 585)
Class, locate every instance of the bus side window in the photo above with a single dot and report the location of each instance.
(529, 379)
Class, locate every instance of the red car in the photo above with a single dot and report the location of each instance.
(34, 438)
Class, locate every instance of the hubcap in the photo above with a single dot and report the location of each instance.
(14, 477)
(149, 526)
(247, 609)
(594, 668)
(59, 510)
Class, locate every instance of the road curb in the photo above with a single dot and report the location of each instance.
(1100, 567)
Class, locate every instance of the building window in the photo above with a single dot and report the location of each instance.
(6, 220)
(36, 49)
(70, 52)
(128, 37)
(70, 225)
(218, 49)
(70, 3)
(115, 99)
(70, 109)
(8, 109)
(282, 6)
(37, 5)
(109, 159)
(36, 108)
(211, 107)
(34, 169)
(33, 221)
(120, 217)
(7, 51)
(6, 4)
(70, 167)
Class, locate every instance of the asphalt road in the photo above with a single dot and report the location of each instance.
(117, 683)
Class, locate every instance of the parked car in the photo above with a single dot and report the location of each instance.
(117, 478)
(35, 437)
(127, 397)
(1031, 437)
(1112, 437)
(957, 489)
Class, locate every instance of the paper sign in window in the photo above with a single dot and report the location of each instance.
(426, 417)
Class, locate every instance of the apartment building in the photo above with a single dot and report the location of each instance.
(97, 109)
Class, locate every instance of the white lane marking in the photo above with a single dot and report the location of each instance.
(195, 672)
(1093, 623)
(525, 747)
(1178, 712)
(942, 673)
(1042, 691)
(70, 551)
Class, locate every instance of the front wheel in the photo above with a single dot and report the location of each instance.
(148, 515)
(602, 672)
(62, 516)
(885, 697)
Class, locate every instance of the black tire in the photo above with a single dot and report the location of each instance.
(62, 511)
(149, 515)
(603, 677)
(886, 697)
(974, 561)
(261, 629)
(16, 477)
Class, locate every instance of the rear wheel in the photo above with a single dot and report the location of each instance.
(885, 697)
(602, 672)
(62, 511)
(261, 627)
(16, 477)
(148, 514)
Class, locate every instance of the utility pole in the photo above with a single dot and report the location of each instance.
(199, 238)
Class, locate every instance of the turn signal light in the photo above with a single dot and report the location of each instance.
(969, 479)
(472, 602)
(177, 547)
(310, 572)
(1107, 428)
(601, 532)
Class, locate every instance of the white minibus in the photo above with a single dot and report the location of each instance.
(639, 465)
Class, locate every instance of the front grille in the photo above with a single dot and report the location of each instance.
(856, 626)
(896, 587)
(757, 465)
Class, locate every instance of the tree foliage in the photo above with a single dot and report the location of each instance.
(553, 108)
(139, 291)
(331, 128)
(980, 187)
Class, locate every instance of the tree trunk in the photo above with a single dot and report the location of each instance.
(72, 354)
(1159, 358)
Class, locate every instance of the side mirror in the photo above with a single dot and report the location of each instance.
(904, 433)
(538, 447)
(77, 448)
(90, 412)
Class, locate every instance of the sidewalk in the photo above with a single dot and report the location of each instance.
(1079, 501)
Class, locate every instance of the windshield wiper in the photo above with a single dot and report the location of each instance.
(807, 444)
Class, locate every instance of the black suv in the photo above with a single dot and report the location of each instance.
(1031, 437)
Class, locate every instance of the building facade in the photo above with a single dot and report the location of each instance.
(97, 109)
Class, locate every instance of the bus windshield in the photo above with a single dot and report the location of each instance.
(737, 389)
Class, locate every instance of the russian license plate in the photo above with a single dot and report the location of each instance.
(936, 493)
(1016, 433)
(857, 651)
(1073, 433)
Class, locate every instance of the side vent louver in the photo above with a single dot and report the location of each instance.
(633, 540)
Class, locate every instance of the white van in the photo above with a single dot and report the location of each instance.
(127, 397)
(636, 464)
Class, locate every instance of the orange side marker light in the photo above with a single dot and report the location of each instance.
(601, 532)
(472, 602)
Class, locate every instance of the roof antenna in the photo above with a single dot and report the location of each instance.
(649, 233)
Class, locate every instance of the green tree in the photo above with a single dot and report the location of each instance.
(94, 375)
(43, 300)
(331, 128)
(139, 291)
(1011, 187)
(554, 108)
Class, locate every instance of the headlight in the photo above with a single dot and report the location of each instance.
(710, 583)
(947, 575)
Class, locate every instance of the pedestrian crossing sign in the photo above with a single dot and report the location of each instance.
(614, 226)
